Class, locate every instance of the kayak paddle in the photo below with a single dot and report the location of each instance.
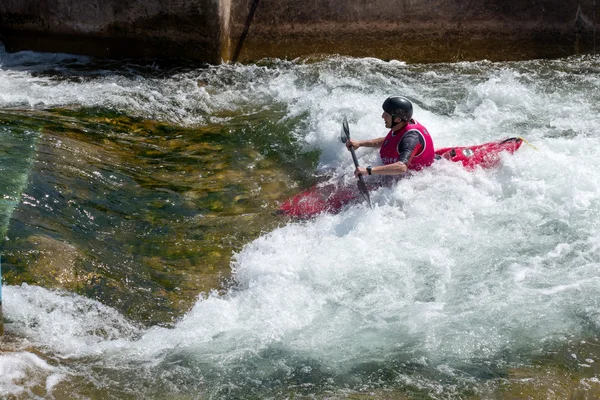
(362, 188)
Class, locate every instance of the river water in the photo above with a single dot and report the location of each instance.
(142, 256)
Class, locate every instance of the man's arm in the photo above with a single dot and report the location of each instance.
(397, 168)
(365, 143)
(409, 146)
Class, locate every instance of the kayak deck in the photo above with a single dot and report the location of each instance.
(487, 155)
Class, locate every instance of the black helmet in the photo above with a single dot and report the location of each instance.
(398, 107)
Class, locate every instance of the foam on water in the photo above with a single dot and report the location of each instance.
(21, 371)
(48, 317)
(449, 270)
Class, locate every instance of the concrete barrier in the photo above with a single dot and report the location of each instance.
(210, 30)
(418, 30)
(116, 28)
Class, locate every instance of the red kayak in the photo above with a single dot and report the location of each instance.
(330, 197)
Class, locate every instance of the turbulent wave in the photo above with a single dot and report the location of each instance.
(453, 276)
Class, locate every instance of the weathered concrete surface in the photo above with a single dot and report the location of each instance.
(418, 30)
(210, 30)
(116, 28)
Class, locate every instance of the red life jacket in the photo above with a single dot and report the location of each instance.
(422, 156)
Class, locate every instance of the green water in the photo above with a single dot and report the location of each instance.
(138, 214)
(17, 149)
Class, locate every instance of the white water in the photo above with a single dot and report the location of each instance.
(449, 271)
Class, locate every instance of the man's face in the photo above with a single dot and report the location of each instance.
(388, 119)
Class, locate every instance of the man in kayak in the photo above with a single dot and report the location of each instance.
(407, 145)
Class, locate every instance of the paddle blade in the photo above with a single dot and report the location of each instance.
(346, 128)
(362, 188)
(345, 133)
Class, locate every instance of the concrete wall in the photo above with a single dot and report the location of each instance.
(418, 30)
(210, 30)
(115, 28)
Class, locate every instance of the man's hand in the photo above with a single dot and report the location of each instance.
(354, 143)
(360, 171)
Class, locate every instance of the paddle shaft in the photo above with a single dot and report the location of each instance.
(360, 177)
(354, 156)
(362, 187)
(345, 138)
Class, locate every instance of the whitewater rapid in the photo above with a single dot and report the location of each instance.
(450, 272)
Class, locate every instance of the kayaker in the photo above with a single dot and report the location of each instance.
(407, 145)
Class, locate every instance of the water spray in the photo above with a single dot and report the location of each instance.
(1, 318)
